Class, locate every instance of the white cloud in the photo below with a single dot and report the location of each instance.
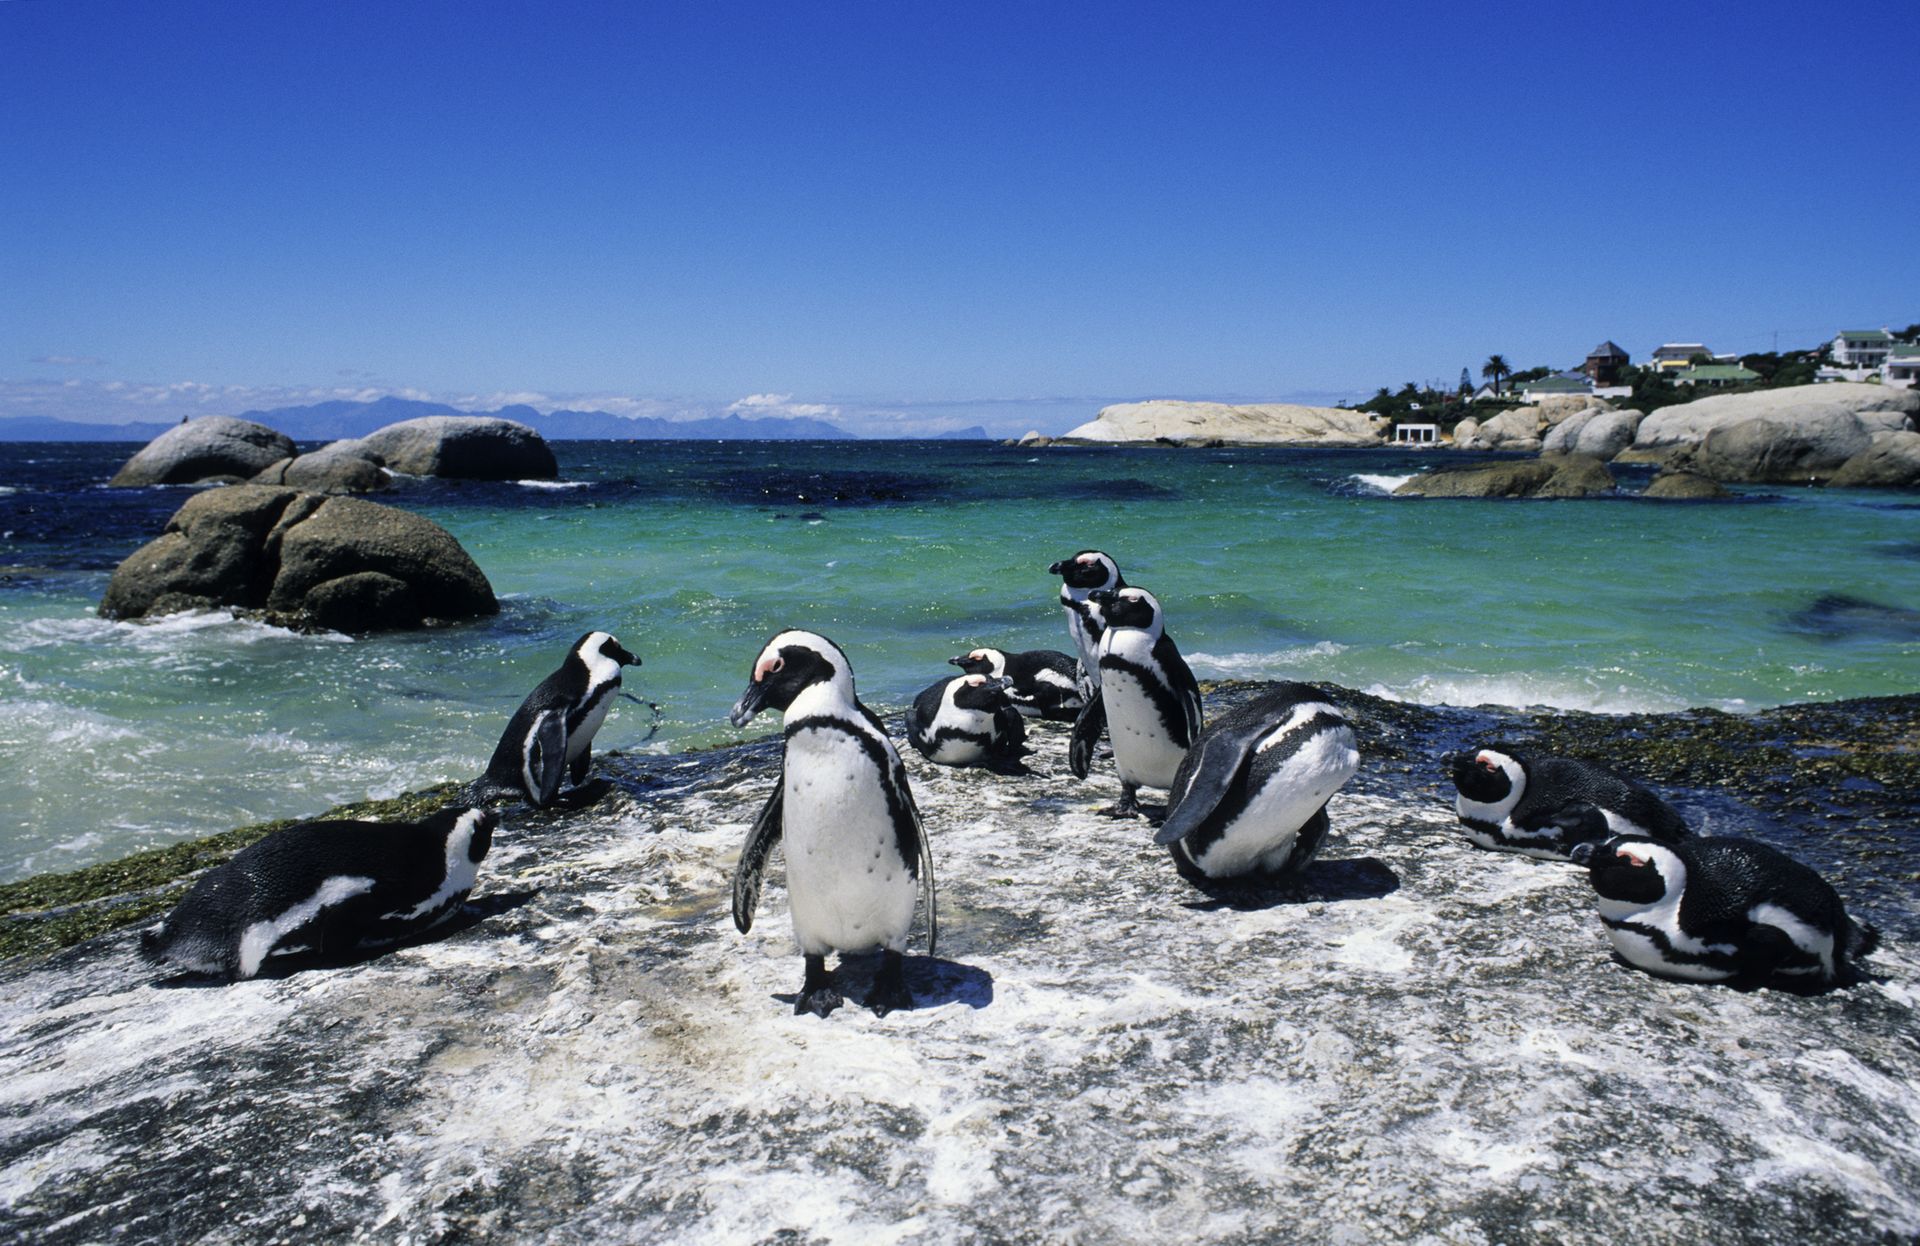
(762, 405)
(69, 361)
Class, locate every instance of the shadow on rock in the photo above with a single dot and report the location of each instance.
(471, 914)
(932, 980)
(1351, 878)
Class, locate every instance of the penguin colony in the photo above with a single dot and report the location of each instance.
(1247, 795)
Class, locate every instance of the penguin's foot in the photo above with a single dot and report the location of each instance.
(889, 986)
(1125, 807)
(817, 993)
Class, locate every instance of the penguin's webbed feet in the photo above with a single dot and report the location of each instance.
(890, 986)
(1125, 807)
(817, 993)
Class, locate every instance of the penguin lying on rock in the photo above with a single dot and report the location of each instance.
(1148, 698)
(1723, 910)
(326, 887)
(552, 732)
(1536, 806)
(1045, 682)
(969, 720)
(856, 854)
(1251, 795)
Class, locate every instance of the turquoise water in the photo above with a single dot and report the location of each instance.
(117, 736)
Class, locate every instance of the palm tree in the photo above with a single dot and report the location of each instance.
(1496, 367)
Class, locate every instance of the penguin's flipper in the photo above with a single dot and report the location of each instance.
(1086, 734)
(578, 769)
(546, 758)
(751, 872)
(1010, 731)
(926, 888)
(1760, 955)
(1210, 771)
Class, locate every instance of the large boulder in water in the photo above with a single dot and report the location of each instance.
(464, 447)
(302, 560)
(1801, 451)
(1684, 487)
(1876, 407)
(338, 467)
(212, 448)
(1549, 476)
(1599, 433)
(1891, 462)
(1267, 422)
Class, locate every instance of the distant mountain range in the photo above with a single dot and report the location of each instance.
(329, 421)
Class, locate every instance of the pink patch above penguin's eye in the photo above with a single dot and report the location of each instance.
(1631, 857)
(768, 666)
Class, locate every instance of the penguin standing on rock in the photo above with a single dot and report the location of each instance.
(1045, 682)
(326, 887)
(855, 851)
(1251, 796)
(1723, 910)
(969, 720)
(1538, 806)
(1150, 700)
(552, 732)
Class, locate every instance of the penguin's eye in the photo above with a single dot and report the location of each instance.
(768, 666)
(1488, 766)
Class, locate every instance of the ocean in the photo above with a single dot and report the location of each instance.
(1270, 562)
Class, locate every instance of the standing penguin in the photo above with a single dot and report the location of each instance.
(1046, 682)
(1151, 700)
(1723, 910)
(855, 849)
(969, 720)
(1251, 795)
(1537, 806)
(1082, 575)
(325, 887)
(552, 731)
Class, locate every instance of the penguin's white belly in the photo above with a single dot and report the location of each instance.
(1262, 836)
(1143, 752)
(582, 736)
(1639, 947)
(847, 887)
(954, 751)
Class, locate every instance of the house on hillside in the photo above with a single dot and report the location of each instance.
(1604, 363)
(1902, 367)
(1555, 385)
(1861, 349)
(1676, 356)
(1715, 375)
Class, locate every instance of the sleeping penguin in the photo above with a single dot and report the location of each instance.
(1045, 682)
(326, 887)
(1149, 699)
(1251, 795)
(855, 851)
(552, 732)
(969, 720)
(1535, 806)
(1723, 910)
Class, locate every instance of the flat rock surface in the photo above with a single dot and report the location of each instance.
(1218, 421)
(1417, 1041)
(1877, 407)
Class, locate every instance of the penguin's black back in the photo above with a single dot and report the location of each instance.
(557, 693)
(1555, 783)
(1024, 668)
(1727, 877)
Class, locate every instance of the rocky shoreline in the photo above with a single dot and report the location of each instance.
(1418, 1039)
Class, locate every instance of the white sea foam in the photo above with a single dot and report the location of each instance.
(1562, 693)
(168, 632)
(1385, 484)
(1263, 665)
(553, 484)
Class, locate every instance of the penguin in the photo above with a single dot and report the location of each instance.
(1251, 795)
(552, 731)
(855, 850)
(1046, 683)
(1148, 698)
(1723, 910)
(1087, 572)
(968, 720)
(326, 887)
(1534, 805)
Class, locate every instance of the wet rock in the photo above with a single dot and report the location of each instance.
(1416, 1039)
(1803, 451)
(464, 447)
(1891, 462)
(211, 448)
(302, 560)
(339, 467)
(1684, 485)
(1549, 476)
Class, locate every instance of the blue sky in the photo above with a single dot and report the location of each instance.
(916, 216)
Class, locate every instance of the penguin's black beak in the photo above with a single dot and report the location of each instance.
(1582, 853)
(751, 702)
(959, 661)
(1102, 596)
(1057, 568)
(623, 657)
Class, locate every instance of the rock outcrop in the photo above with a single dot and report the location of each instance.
(1807, 449)
(1876, 407)
(1549, 476)
(302, 560)
(464, 447)
(1892, 461)
(1599, 433)
(1272, 423)
(1684, 486)
(1414, 1041)
(211, 448)
(338, 467)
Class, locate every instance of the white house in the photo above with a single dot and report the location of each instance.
(1902, 366)
(1676, 356)
(1862, 349)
